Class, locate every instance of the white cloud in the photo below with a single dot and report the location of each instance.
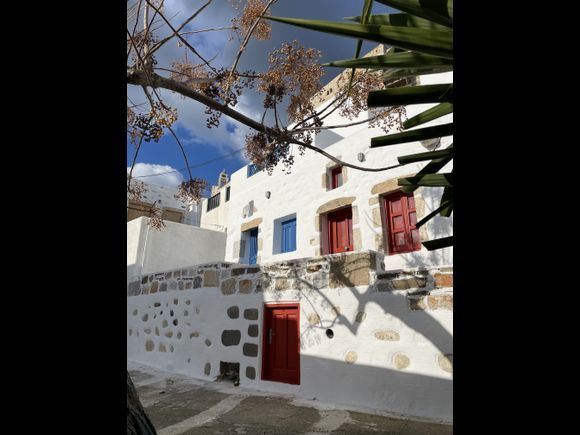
(167, 178)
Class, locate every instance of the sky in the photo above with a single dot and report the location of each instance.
(209, 151)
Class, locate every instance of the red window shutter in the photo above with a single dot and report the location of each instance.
(336, 177)
(401, 215)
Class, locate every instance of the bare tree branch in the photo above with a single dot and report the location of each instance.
(136, 77)
(187, 44)
(176, 31)
(182, 150)
(247, 38)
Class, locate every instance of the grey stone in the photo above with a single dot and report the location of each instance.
(245, 286)
(168, 275)
(252, 270)
(210, 278)
(197, 282)
(251, 314)
(250, 372)
(253, 330)
(163, 287)
(233, 312)
(144, 280)
(360, 316)
(180, 285)
(207, 369)
(250, 349)
(207, 342)
(172, 285)
(134, 288)
(238, 271)
(228, 286)
(231, 337)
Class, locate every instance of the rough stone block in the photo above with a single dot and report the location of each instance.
(387, 335)
(250, 372)
(250, 349)
(233, 312)
(228, 286)
(444, 279)
(350, 270)
(134, 288)
(231, 337)
(253, 330)
(210, 278)
(251, 314)
(245, 286)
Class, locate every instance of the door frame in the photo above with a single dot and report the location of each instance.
(329, 229)
(265, 346)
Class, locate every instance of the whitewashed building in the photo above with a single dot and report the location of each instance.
(325, 291)
(181, 242)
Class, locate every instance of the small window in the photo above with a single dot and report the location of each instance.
(336, 177)
(252, 169)
(228, 193)
(401, 215)
(288, 235)
(213, 202)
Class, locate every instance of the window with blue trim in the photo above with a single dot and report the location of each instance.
(252, 169)
(288, 235)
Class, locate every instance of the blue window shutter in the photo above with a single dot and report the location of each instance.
(289, 236)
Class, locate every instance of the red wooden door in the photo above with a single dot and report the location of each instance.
(281, 357)
(401, 219)
(340, 231)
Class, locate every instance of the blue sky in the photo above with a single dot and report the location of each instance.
(202, 144)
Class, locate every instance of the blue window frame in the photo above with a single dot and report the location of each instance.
(253, 257)
(252, 169)
(289, 235)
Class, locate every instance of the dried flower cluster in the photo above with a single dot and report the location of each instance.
(294, 71)
(248, 15)
(136, 48)
(135, 189)
(191, 191)
(364, 82)
(150, 125)
(187, 73)
(267, 151)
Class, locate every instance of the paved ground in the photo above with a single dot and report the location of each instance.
(180, 405)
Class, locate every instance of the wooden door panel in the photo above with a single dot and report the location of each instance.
(281, 359)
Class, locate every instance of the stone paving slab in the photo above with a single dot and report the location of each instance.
(180, 405)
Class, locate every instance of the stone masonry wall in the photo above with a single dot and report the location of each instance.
(391, 347)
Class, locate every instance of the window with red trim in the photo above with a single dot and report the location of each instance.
(401, 215)
(336, 177)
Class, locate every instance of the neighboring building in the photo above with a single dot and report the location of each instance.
(214, 210)
(173, 210)
(151, 250)
(179, 243)
(326, 291)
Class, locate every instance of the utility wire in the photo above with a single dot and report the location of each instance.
(192, 166)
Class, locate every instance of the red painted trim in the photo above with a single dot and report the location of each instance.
(387, 227)
(265, 325)
(334, 178)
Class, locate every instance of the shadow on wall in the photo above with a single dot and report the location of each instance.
(393, 304)
(364, 385)
(367, 385)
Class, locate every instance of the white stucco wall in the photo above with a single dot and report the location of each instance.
(181, 330)
(175, 245)
(217, 218)
(302, 193)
